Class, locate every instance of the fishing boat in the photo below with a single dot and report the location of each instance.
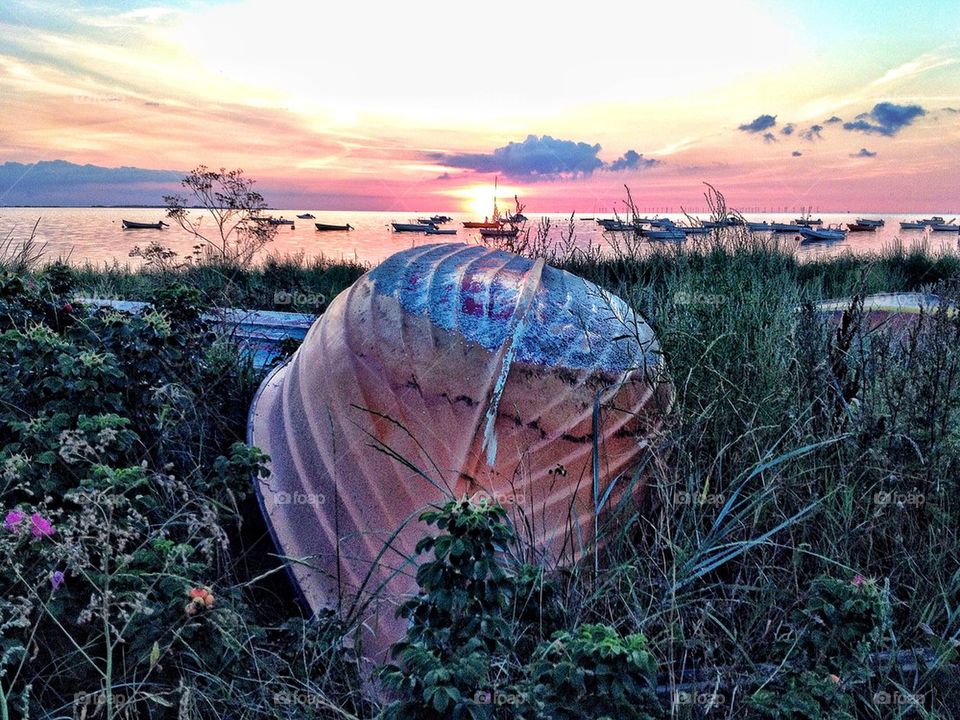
(944, 227)
(444, 231)
(785, 228)
(616, 225)
(326, 227)
(131, 225)
(861, 227)
(812, 234)
(913, 225)
(935, 220)
(485, 224)
(305, 216)
(807, 222)
(871, 223)
(499, 232)
(412, 227)
(665, 224)
(440, 219)
(279, 221)
(674, 234)
(694, 230)
(759, 226)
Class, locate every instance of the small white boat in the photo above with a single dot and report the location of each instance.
(694, 230)
(759, 226)
(913, 225)
(867, 222)
(131, 225)
(412, 227)
(809, 233)
(279, 221)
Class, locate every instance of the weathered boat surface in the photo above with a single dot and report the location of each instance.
(451, 370)
(258, 332)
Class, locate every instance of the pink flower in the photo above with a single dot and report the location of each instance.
(56, 579)
(13, 520)
(858, 580)
(40, 526)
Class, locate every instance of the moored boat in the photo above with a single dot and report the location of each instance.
(807, 222)
(327, 227)
(944, 227)
(672, 234)
(694, 230)
(305, 216)
(759, 226)
(439, 231)
(935, 220)
(810, 234)
(499, 232)
(861, 227)
(279, 221)
(913, 225)
(473, 225)
(412, 227)
(870, 222)
(785, 227)
(131, 225)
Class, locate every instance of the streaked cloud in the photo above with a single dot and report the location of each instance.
(863, 153)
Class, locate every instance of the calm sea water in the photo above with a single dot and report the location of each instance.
(96, 235)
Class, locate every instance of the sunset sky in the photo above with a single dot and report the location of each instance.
(419, 105)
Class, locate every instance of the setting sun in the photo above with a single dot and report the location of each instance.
(478, 200)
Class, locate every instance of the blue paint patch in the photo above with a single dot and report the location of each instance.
(474, 290)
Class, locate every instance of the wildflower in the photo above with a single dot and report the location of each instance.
(67, 308)
(13, 520)
(834, 678)
(858, 580)
(40, 526)
(56, 579)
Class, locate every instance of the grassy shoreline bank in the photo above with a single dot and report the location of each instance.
(803, 515)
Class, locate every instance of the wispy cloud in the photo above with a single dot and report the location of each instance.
(812, 133)
(863, 153)
(788, 129)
